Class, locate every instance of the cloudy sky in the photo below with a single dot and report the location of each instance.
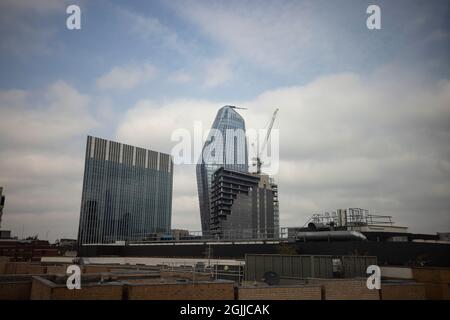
(364, 116)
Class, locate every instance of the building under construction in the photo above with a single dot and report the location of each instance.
(243, 206)
(235, 203)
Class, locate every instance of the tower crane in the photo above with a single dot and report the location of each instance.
(259, 152)
(234, 107)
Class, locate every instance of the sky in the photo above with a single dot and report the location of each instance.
(364, 116)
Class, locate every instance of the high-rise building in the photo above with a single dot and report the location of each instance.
(2, 204)
(243, 205)
(127, 193)
(226, 146)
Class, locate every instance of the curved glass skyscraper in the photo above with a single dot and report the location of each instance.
(226, 146)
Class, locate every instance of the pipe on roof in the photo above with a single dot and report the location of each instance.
(330, 235)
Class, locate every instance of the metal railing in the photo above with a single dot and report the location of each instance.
(210, 271)
(214, 235)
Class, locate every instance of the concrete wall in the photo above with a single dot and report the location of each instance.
(345, 289)
(309, 292)
(404, 273)
(181, 291)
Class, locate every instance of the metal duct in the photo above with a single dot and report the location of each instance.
(330, 235)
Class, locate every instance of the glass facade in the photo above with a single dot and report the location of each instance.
(226, 146)
(243, 206)
(127, 193)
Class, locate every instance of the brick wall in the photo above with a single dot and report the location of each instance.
(15, 287)
(181, 291)
(3, 262)
(432, 275)
(345, 289)
(185, 275)
(89, 292)
(40, 290)
(44, 289)
(95, 269)
(15, 291)
(437, 291)
(309, 292)
(407, 291)
(31, 269)
(56, 269)
(24, 268)
(436, 282)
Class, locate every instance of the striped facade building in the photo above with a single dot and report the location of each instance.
(127, 193)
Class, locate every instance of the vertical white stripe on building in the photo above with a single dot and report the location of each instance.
(134, 156)
(107, 151)
(158, 161)
(146, 159)
(92, 146)
(169, 164)
(121, 153)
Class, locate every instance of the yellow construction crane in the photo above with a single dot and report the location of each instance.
(259, 152)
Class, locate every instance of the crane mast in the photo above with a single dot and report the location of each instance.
(259, 152)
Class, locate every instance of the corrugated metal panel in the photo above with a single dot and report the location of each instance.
(356, 266)
(323, 267)
(304, 266)
(288, 266)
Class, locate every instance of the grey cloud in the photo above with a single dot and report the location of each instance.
(23, 26)
(312, 36)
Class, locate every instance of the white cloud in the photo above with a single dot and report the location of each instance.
(272, 35)
(126, 77)
(218, 72)
(179, 77)
(150, 124)
(24, 27)
(45, 117)
(42, 136)
(151, 29)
